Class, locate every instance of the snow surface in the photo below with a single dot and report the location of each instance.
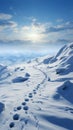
(38, 95)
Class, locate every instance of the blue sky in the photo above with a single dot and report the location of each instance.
(37, 25)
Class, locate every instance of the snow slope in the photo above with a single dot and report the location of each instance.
(38, 95)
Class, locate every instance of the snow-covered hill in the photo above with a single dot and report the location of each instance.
(38, 95)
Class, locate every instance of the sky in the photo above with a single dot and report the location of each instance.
(35, 25)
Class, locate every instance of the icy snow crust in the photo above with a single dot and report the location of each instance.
(38, 95)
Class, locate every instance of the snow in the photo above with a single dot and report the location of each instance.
(66, 90)
(38, 95)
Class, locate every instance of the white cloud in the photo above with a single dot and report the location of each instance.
(59, 20)
(8, 25)
(2, 28)
(6, 22)
(37, 32)
(4, 16)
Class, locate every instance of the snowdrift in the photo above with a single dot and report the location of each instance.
(38, 95)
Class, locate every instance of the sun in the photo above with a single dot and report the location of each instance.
(34, 36)
(32, 33)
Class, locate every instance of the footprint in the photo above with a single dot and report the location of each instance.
(12, 124)
(19, 108)
(38, 86)
(39, 102)
(36, 120)
(25, 108)
(71, 112)
(16, 117)
(26, 99)
(23, 103)
(34, 92)
(24, 120)
(21, 69)
(30, 95)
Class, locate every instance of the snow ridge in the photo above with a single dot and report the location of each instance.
(38, 95)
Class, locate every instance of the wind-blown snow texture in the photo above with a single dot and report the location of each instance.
(38, 95)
